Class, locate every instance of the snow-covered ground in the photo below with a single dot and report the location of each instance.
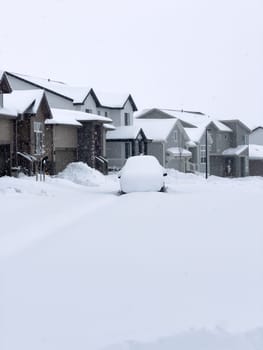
(84, 268)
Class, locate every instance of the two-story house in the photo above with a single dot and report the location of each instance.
(113, 107)
(168, 137)
(6, 128)
(256, 152)
(28, 146)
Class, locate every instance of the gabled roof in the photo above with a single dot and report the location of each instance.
(24, 101)
(114, 101)
(4, 83)
(236, 151)
(146, 113)
(257, 128)
(78, 94)
(59, 117)
(156, 129)
(74, 93)
(70, 115)
(236, 121)
(162, 114)
(129, 132)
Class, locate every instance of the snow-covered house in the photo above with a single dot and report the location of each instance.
(225, 142)
(236, 154)
(118, 107)
(6, 128)
(31, 110)
(75, 137)
(168, 137)
(123, 142)
(256, 152)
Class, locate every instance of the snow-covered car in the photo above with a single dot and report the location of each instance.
(142, 174)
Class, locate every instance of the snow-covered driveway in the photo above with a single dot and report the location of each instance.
(83, 268)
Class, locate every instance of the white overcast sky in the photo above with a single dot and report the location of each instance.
(202, 55)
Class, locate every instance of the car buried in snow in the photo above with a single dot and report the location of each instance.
(142, 174)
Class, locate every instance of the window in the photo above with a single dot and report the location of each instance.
(106, 114)
(126, 118)
(98, 112)
(88, 110)
(203, 153)
(127, 150)
(175, 135)
(38, 133)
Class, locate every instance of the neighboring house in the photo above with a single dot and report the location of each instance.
(6, 128)
(77, 136)
(123, 142)
(119, 108)
(237, 153)
(28, 128)
(256, 136)
(256, 152)
(255, 160)
(226, 143)
(168, 138)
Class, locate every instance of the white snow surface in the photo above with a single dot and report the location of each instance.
(75, 93)
(113, 100)
(84, 268)
(127, 132)
(255, 151)
(23, 100)
(81, 173)
(179, 152)
(156, 129)
(235, 151)
(70, 115)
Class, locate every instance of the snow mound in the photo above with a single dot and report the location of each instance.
(81, 174)
(200, 340)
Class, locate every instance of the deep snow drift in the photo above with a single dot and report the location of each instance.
(84, 268)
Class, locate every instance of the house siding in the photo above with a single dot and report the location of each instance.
(256, 137)
(157, 149)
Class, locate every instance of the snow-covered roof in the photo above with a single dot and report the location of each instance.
(59, 117)
(179, 152)
(255, 151)
(75, 93)
(23, 100)
(109, 126)
(147, 113)
(8, 113)
(70, 116)
(114, 100)
(236, 151)
(129, 132)
(257, 128)
(156, 129)
(191, 143)
(197, 119)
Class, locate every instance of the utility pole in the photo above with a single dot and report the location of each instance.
(206, 152)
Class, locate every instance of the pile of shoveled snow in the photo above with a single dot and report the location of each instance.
(80, 173)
